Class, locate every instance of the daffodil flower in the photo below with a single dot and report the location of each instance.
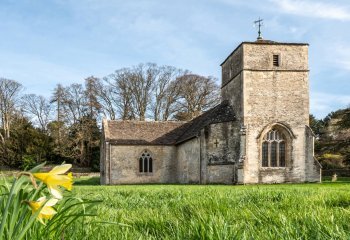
(46, 212)
(56, 178)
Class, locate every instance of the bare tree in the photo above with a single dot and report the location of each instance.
(166, 92)
(119, 93)
(74, 103)
(198, 94)
(129, 91)
(107, 99)
(141, 80)
(172, 96)
(39, 108)
(91, 91)
(9, 96)
(58, 99)
(141, 91)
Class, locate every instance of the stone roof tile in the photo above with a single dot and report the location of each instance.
(142, 132)
(221, 113)
(164, 133)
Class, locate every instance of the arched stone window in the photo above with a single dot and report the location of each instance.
(274, 149)
(145, 162)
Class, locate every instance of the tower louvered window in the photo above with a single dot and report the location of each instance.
(276, 60)
(145, 162)
(274, 149)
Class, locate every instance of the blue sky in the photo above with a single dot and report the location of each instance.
(45, 42)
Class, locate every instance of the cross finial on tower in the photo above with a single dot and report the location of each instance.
(259, 24)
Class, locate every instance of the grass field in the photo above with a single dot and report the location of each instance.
(280, 211)
(287, 211)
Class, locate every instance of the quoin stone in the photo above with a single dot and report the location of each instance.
(259, 133)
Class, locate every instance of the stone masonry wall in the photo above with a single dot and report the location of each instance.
(276, 96)
(103, 162)
(232, 66)
(221, 174)
(313, 167)
(262, 96)
(293, 57)
(222, 148)
(125, 164)
(222, 143)
(233, 92)
(188, 161)
(271, 95)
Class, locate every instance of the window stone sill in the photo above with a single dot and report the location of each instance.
(273, 168)
(145, 174)
(221, 163)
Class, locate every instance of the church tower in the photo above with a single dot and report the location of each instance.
(267, 84)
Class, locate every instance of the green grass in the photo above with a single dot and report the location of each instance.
(278, 211)
(86, 181)
(284, 211)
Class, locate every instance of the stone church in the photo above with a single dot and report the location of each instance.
(259, 133)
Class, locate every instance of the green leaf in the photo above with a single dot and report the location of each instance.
(5, 212)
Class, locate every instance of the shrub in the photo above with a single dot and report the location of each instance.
(28, 162)
(332, 161)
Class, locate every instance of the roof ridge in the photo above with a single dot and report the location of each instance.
(190, 123)
(166, 132)
(141, 121)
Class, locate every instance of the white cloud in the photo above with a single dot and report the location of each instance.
(36, 74)
(323, 103)
(313, 9)
(342, 55)
(345, 64)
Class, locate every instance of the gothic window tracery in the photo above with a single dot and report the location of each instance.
(145, 162)
(274, 149)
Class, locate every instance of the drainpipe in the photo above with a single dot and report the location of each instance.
(200, 158)
(243, 151)
(108, 150)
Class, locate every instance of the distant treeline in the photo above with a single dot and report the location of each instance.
(332, 145)
(66, 126)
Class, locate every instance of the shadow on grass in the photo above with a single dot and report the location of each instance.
(93, 181)
(87, 181)
(328, 179)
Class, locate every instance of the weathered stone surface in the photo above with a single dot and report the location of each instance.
(125, 164)
(221, 174)
(224, 145)
(188, 161)
(232, 66)
(266, 95)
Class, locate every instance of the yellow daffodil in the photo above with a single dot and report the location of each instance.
(56, 178)
(46, 212)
